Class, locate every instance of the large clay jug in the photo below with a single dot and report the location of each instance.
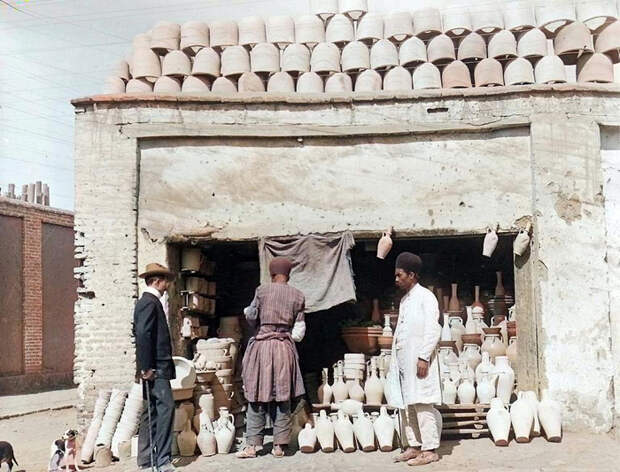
(490, 242)
(384, 430)
(466, 392)
(206, 439)
(225, 433)
(493, 345)
(364, 432)
(532, 399)
(550, 416)
(339, 388)
(325, 432)
(485, 390)
(356, 392)
(448, 393)
(207, 404)
(511, 352)
(186, 440)
(373, 388)
(498, 420)
(344, 432)
(477, 303)
(505, 378)
(485, 367)
(522, 419)
(385, 244)
(454, 304)
(307, 439)
(446, 333)
(457, 330)
(325, 389)
(180, 418)
(471, 355)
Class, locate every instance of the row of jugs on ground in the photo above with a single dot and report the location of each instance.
(215, 437)
(371, 393)
(365, 432)
(528, 418)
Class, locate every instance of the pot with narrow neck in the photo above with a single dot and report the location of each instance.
(505, 378)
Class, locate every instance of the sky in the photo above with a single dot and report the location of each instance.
(52, 51)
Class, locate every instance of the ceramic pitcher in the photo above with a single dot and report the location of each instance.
(485, 390)
(225, 432)
(325, 432)
(466, 392)
(339, 389)
(206, 439)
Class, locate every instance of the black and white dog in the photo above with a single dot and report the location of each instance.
(7, 455)
(64, 452)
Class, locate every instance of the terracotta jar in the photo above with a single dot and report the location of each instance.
(165, 37)
(596, 68)
(553, 15)
(519, 71)
(456, 75)
(307, 439)
(487, 20)
(398, 26)
(281, 82)
(472, 48)
(502, 45)
(426, 23)
(354, 9)
(550, 416)
(488, 73)
(339, 30)
(532, 45)
(338, 83)
(325, 59)
(550, 70)
(384, 430)
(498, 420)
(235, 61)
(251, 30)
(398, 79)
(466, 392)
(522, 419)
(176, 64)
(280, 30)
(296, 59)
(114, 85)
(456, 22)
(494, 346)
(186, 440)
(608, 41)
(426, 76)
(309, 30)
(146, 65)
(412, 52)
(265, 59)
(223, 33)
(440, 50)
(194, 37)
(369, 28)
(385, 244)
(324, 8)
(505, 378)
(368, 81)
(355, 57)
(455, 304)
(500, 291)
(344, 432)
(383, 55)
(572, 41)
(195, 84)
(167, 84)
(310, 82)
(139, 86)
(206, 63)
(519, 16)
(223, 85)
(596, 14)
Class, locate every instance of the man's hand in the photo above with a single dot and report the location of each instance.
(150, 375)
(422, 368)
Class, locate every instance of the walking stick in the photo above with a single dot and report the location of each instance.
(146, 388)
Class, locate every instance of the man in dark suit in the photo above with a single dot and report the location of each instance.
(156, 368)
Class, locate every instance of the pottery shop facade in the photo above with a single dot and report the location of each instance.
(158, 173)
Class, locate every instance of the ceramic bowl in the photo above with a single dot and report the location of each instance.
(362, 343)
(182, 393)
(185, 373)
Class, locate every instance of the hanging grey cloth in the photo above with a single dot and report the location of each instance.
(321, 267)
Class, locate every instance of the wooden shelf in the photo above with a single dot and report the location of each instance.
(190, 311)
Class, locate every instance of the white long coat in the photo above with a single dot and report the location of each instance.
(417, 334)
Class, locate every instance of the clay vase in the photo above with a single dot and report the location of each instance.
(532, 399)
(511, 352)
(522, 241)
(493, 345)
(498, 421)
(448, 393)
(485, 390)
(339, 388)
(446, 333)
(385, 244)
(180, 419)
(457, 330)
(477, 302)
(225, 432)
(207, 404)
(364, 432)
(384, 430)
(485, 367)
(471, 355)
(454, 304)
(356, 392)
(206, 439)
(373, 388)
(307, 439)
(505, 378)
(344, 432)
(500, 291)
(325, 432)
(376, 313)
(186, 441)
(550, 416)
(522, 419)
(387, 326)
(490, 242)
(466, 392)
(325, 390)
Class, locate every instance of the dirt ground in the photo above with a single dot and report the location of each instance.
(31, 436)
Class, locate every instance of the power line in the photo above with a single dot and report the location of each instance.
(37, 134)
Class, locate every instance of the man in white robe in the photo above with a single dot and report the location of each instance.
(413, 382)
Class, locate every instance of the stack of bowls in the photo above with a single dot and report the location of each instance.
(111, 417)
(130, 419)
(88, 447)
(216, 352)
(354, 366)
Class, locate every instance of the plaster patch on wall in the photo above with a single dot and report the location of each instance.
(568, 208)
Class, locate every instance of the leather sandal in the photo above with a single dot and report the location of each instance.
(247, 452)
(424, 458)
(410, 453)
(277, 451)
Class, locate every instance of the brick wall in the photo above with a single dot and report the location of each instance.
(32, 218)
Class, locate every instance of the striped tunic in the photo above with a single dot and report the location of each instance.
(270, 364)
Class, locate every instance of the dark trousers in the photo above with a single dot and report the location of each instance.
(162, 416)
(280, 413)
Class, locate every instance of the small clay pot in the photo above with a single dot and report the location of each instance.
(235, 61)
(553, 15)
(103, 456)
(412, 52)
(426, 76)
(296, 59)
(550, 70)
(251, 30)
(369, 28)
(355, 57)
(572, 41)
(472, 48)
(398, 26)
(487, 20)
(596, 14)
(354, 9)
(383, 55)
(325, 59)
(440, 50)
(223, 33)
(368, 81)
(309, 30)
(281, 82)
(596, 68)
(426, 23)
(398, 79)
(488, 73)
(280, 30)
(265, 59)
(519, 71)
(502, 45)
(310, 82)
(339, 30)
(338, 83)
(194, 37)
(519, 16)
(456, 75)
(608, 41)
(207, 63)
(456, 22)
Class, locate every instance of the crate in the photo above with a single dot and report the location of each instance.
(464, 421)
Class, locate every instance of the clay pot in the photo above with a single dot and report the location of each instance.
(498, 420)
(550, 416)
(251, 31)
(457, 330)
(398, 79)
(553, 15)
(532, 399)
(207, 63)
(471, 354)
(309, 30)
(176, 64)
(519, 16)
(355, 57)
(522, 240)
(324, 8)
(597, 14)
(265, 59)
(194, 37)
(369, 28)
(364, 432)
(487, 20)
(356, 392)
(383, 55)
(225, 432)
(522, 419)
(338, 83)
(550, 70)
(456, 22)
(344, 432)
(448, 392)
(502, 45)
(608, 41)
(325, 432)
(280, 30)
(373, 389)
(145, 65)
(505, 378)
(456, 75)
(186, 440)
(485, 390)
(426, 76)
(114, 85)
(519, 71)
(477, 302)
(472, 48)
(223, 33)
(339, 30)
(466, 392)
(206, 441)
(572, 41)
(235, 61)
(310, 82)
(485, 367)
(324, 392)
(412, 52)
(596, 68)
(455, 304)
(102, 456)
(307, 439)
(122, 70)
(281, 82)
(368, 81)
(426, 23)
(532, 45)
(494, 346)
(296, 59)
(195, 84)
(165, 37)
(490, 239)
(167, 84)
(325, 59)
(398, 26)
(440, 50)
(354, 9)
(384, 430)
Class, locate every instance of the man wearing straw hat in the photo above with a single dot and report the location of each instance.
(156, 368)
